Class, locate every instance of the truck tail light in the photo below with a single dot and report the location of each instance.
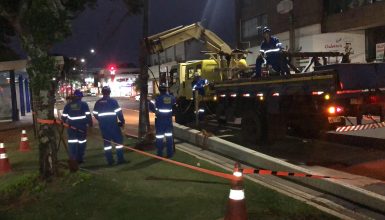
(373, 99)
(335, 110)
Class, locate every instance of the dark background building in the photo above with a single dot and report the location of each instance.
(315, 17)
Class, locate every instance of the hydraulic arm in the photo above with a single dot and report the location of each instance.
(160, 42)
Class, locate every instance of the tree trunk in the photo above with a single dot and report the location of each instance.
(44, 105)
(41, 71)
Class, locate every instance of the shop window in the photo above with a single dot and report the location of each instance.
(5, 97)
(250, 26)
(340, 6)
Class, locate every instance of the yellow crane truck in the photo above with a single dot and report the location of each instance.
(305, 102)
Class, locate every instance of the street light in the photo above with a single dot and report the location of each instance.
(82, 60)
(92, 51)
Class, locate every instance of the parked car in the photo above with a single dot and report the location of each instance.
(90, 94)
(149, 96)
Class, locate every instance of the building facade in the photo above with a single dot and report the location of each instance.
(315, 25)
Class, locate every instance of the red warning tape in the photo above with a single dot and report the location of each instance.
(214, 173)
(210, 172)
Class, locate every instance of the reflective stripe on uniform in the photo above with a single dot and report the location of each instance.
(64, 115)
(119, 146)
(159, 136)
(88, 113)
(272, 50)
(236, 194)
(83, 141)
(73, 141)
(108, 148)
(77, 117)
(117, 110)
(165, 110)
(168, 134)
(95, 112)
(106, 114)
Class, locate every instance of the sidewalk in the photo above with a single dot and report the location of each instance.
(24, 122)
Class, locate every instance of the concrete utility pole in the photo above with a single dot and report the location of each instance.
(284, 7)
(144, 120)
(292, 32)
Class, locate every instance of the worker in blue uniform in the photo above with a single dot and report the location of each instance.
(271, 55)
(77, 114)
(108, 112)
(162, 107)
(198, 84)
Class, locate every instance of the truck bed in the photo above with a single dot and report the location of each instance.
(354, 76)
(323, 80)
(328, 78)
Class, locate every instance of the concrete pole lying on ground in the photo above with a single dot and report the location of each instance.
(341, 188)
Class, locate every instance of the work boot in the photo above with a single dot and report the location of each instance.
(109, 158)
(120, 156)
(80, 154)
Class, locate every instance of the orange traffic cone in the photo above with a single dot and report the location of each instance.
(5, 167)
(236, 207)
(24, 145)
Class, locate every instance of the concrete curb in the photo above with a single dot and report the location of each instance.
(333, 186)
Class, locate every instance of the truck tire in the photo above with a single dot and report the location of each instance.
(252, 128)
(220, 114)
(183, 112)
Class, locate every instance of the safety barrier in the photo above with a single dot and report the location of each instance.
(360, 127)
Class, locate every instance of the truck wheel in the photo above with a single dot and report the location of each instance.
(251, 127)
(183, 112)
(220, 114)
(179, 117)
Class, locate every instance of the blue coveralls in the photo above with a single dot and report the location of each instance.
(77, 114)
(163, 122)
(273, 57)
(107, 111)
(198, 85)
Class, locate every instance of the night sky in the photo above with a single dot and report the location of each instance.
(115, 35)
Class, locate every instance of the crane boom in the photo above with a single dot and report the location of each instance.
(161, 41)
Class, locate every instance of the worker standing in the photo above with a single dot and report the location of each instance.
(77, 114)
(271, 50)
(108, 112)
(163, 121)
(198, 86)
